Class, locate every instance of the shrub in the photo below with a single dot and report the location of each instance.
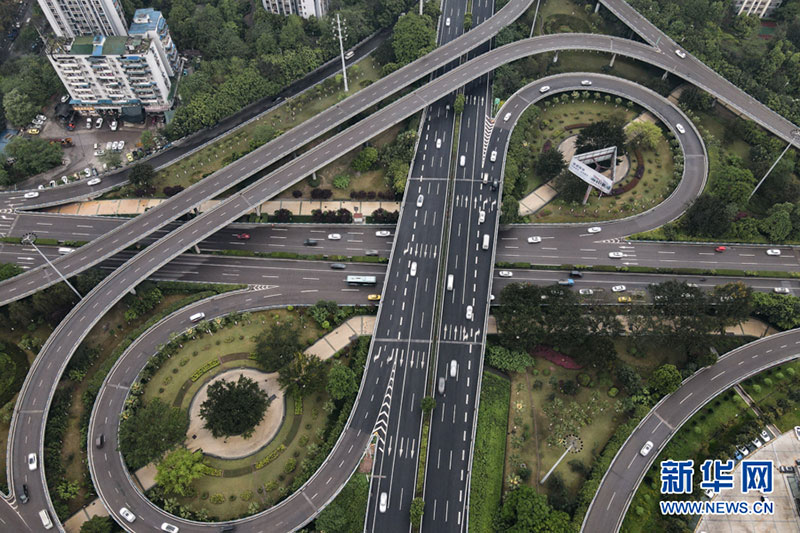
(246, 496)
(341, 181)
(271, 457)
(297, 193)
(612, 392)
(584, 379)
(218, 498)
(290, 465)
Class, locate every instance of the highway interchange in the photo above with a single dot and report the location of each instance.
(411, 333)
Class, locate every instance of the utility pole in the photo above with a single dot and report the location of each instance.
(535, 14)
(341, 49)
(30, 238)
(795, 137)
(420, 8)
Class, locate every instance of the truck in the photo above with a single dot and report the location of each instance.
(566, 282)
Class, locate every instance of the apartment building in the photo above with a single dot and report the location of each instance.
(72, 18)
(304, 8)
(761, 8)
(151, 24)
(111, 73)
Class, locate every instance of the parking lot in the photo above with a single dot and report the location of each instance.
(81, 154)
(783, 451)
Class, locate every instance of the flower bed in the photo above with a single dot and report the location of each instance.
(205, 368)
(555, 357)
(271, 457)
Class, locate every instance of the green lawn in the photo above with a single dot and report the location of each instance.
(294, 111)
(486, 486)
(771, 392)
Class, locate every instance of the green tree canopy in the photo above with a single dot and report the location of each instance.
(416, 511)
(733, 184)
(601, 134)
(665, 379)
(341, 381)
(550, 164)
(524, 510)
(302, 375)
(413, 37)
(458, 105)
(19, 108)
(98, 524)
(508, 360)
(644, 134)
(153, 429)
(178, 469)
(33, 156)
(276, 345)
(233, 407)
(345, 514)
(709, 215)
(428, 404)
(141, 175)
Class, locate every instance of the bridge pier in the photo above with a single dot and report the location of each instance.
(613, 58)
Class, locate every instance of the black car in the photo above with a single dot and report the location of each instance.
(371, 252)
(23, 497)
(576, 274)
(310, 242)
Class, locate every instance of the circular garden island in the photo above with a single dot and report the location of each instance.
(233, 415)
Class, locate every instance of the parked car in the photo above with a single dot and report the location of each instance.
(129, 156)
(98, 123)
(765, 436)
(41, 117)
(113, 125)
(742, 450)
(757, 443)
(88, 123)
(624, 299)
(121, 145)
(797, 432)
(586, 292)
(618, 288)
(33, 131)
(93, 181)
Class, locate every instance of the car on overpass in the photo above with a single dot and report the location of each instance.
(383, 233)
(773, 251)
(646, 448)
(595, 229)
(242, 236)
(615, 255)
(505, 274)
(535, 239)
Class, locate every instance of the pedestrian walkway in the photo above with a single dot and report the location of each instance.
(325, 348)
(297, 207)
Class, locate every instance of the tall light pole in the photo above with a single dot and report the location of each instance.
(30, 238)
(420, 7)
(795, 137)
(341, 49)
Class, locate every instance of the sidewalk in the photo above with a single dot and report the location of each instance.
(297, 207)
(324, 348)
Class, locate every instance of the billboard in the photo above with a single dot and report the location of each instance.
(593, 178)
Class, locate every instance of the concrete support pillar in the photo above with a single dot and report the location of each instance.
(597, 7)
(613, 58)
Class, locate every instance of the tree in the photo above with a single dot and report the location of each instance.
(97, 524)
(458, 105)
(33, 156)
(428, 404)
(345, 514)
(234, 407)
(778, 225)
(111, 159)
(416, 511)
(629, 379)
(153, 429)
(19, 108)
(178, 469)
(665, 379)
(601, 134)
(67, 490)
(696, 99)
(147, 139)
(276, 345)
(732, 303)
(507, 360)
(413, 36)
(341, 381)
(141, 175)
(303, 374)
(525, 510)
(733, 184)
(365, 159)
(708, 215)
(570, 187)
(550, 164)
(509, 210)
(9, 270)
(644, 134)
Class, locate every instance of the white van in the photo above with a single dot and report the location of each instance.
(349, 54)
(449, 282)
(65, 250)
(462, 160)
(486, 241)
(45, 516)
(197, 317)
(486, 177)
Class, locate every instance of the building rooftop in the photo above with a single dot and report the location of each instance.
(144, 20)
(99, 45)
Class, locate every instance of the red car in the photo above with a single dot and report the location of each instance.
(720, 249)
(242, 236)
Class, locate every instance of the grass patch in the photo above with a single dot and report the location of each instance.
(774, 393)
(486, 486)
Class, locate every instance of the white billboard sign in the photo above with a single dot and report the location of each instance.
(592, 177)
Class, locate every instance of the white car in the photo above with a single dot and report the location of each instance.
(469, 312)
(98, 123)
(33, 462)
(586, 292)
(32, 194)
(680, 53)
(618, 288)
(646, 448)
(383, 233)
(93, 181)
(586, 82)
(544, 88)
(87, 171)
(88, 123)
(615, 255)
(114, 146)
(169, 528)
(420, 200)
(413, 270)
(765, 436)
(709, 493)
(98, 153)
(595, 229)
(797, 432)
(680, 128)
(438, 143)
(110, 146)
(127, 515)
(506, 117)
(481, 217)
(535, 239)
(453, 368)
(742, 450)
(447, 22)
(121, 145)
(505, 274)
(493, 156)
(334, 237)
(773, 251)
(113, 125)
(781, 290)
(757, 443)
(41, 118)
(384, 496)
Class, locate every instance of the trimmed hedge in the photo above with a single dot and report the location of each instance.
(656, 270)
(295, 255)
(205, 368)
(271, 457)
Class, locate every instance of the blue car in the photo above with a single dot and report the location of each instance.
(738, 456)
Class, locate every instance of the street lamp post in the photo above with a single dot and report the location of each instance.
(795, 138)
(30, 238)
(341, 48)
